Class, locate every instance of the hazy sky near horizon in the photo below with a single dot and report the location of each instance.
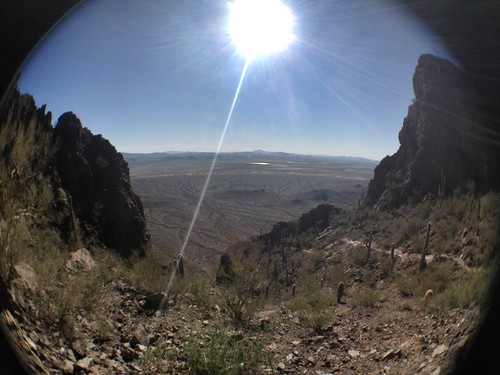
(161, 75)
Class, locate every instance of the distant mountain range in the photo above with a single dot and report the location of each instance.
(257, 155)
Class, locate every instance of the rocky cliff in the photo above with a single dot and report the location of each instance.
(86, 175)
(444, 142)
(97, 178)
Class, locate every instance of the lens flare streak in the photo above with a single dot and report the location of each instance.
(209, 176)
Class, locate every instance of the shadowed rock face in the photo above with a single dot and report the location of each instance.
(318, 219)
(443, 142)
(97, 178)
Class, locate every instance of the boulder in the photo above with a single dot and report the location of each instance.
(155, 301)
(139, 337)
(80, 260)
(26, 277)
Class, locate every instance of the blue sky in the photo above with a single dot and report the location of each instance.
(160, 75)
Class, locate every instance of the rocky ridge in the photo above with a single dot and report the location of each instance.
(444, 141)
(89, 179)
(97, 179)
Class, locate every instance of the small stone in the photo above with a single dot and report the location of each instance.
(79, 348)
(334, 344)
(140, 336)
(129, 355)
(66, 366)
(84, 363)
(281, 366)
(71, 355)
(30, 343)
(205, 322)
(388, 355)
(311, 360)
(439, 350)
(296, 342)
(353, 353)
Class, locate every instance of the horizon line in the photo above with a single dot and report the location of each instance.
(171, 152)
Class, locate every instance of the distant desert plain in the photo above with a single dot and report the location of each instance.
(247, 194)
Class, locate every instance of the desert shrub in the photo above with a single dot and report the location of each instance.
(201, 291)
(358, 255)
(238, 301)
(386, 266)
(150, 273)
(364, 298)
(315, 306)
(451, 289)
(424, 209)
(156, 357)
(490, 205)
(64, 292)
(414, 283)
(406, 306)
(222, 352)
(9, 245)
(409, 229)
(105, 330)
(473, 289)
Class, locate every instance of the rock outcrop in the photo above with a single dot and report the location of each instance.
(97, 178)
(443, 143)
(316, 219)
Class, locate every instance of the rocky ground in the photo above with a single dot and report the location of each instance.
(394, 336)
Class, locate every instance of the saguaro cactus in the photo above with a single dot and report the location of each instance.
(179, 266)
(340, 291)
(424, 250)
(369, 246)
(393, 258)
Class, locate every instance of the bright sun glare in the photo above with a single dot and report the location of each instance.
(260, 27)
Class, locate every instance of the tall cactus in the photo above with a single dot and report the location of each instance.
(369, 246)
(340, 291)
(393, 258)
(424, 250)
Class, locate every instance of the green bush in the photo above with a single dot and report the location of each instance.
(221, 352)
(315, 307)
(473, 289)
(364, 298)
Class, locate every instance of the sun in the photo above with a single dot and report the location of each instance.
(260, 27)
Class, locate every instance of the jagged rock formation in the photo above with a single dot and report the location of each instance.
(89, 180)
(316, 219)
(97, 178)
(443, 143)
